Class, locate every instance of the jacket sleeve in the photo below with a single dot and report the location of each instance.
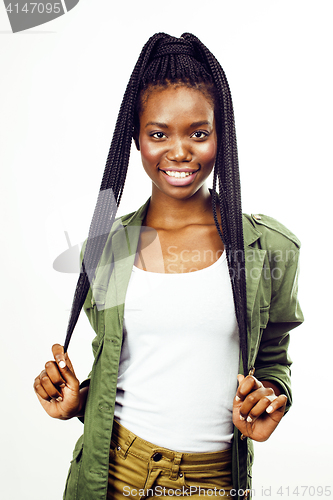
(273, 361)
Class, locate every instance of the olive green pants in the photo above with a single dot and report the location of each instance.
(139, 470)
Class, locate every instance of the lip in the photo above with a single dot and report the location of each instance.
(181, 181)
(193, 170)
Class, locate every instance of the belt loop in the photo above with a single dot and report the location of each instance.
(122, 452)
(175, 466)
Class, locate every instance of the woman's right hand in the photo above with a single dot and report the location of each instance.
(57, 387)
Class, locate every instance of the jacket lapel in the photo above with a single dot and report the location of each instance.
(124, 246)
(254, 262)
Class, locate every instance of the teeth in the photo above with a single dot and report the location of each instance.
(178, 175)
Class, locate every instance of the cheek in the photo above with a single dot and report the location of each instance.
(149, 153)
(208, 152)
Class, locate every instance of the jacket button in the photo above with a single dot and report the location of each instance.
(257, 216)
(157, 457)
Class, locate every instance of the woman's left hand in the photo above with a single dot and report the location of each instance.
(257, 410)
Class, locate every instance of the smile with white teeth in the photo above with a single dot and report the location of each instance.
(178, 175)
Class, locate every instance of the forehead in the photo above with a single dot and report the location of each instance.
(176, 99)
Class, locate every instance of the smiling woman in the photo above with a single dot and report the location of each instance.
(178, 141)
(178, 144)
(172, 403)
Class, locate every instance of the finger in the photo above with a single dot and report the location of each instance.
(246, 385)
(47, 385)
(59, 355)
(40, 391)
(54, 374)
(252, 399)
(278, 403)
(259, 408)
(65, 366)
(240, 379)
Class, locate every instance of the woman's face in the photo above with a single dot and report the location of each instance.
(177, 140)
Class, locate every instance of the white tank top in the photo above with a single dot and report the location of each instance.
(179, 360)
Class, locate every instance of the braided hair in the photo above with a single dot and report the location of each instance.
(166, 60)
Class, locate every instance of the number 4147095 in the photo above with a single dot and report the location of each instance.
(31, 7)
(303, 490)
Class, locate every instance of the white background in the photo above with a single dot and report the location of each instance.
(61, 86)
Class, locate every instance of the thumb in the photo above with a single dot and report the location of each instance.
(64, 363)
(59, 355)
(238, 398)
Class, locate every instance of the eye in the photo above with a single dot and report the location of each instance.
(158, 135)
(200, 134)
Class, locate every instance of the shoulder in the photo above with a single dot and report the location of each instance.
(124, 219)
(269, 230)
(266, 233)
(133, 218)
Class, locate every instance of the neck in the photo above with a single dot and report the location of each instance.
(166, 212)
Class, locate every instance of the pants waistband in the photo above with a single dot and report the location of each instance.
(127, 442)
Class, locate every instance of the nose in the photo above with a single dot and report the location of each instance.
(179, 152)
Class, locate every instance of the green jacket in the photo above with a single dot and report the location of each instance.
(271, 254)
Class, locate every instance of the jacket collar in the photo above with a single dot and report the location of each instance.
(136, 218)
(251, 233)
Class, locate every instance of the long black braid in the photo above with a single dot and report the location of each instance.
(163, 60)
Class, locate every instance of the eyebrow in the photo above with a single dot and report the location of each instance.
(193, 125)
(199, 124)
(157, 124)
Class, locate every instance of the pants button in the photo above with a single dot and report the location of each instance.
(157, 456)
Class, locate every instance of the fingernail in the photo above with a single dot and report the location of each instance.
(269, 409)
(241, 418)
(62, 364)
(59, 399)
(237, 398)
(249, 419)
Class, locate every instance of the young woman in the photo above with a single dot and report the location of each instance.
(188, 298)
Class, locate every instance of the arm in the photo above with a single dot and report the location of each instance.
(273, 361)
(261, 401)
